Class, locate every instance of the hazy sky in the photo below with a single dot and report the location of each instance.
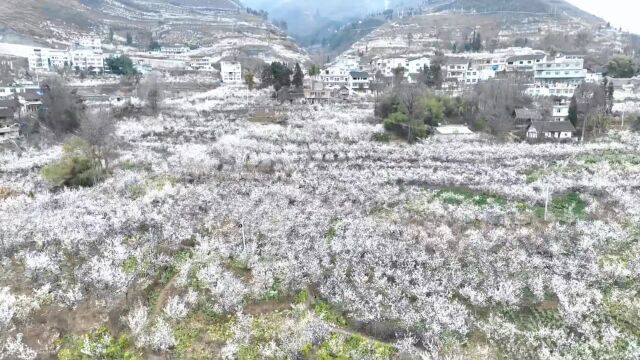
(621, 13)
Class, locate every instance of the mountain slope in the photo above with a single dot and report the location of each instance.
(523, 6)
(221, 27)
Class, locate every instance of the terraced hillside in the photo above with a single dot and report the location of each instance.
(205, 23)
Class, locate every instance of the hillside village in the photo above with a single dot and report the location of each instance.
(350, 76)
(181, 180)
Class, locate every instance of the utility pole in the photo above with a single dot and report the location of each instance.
(584, 126)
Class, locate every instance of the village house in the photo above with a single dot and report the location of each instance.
(90, 42)
(417, 64)
(560, 111)
(524, 63)
(563, 69)
(316, 93)
(231, 72)
(553, 89)
(9, 132)
(359, 81)
(17, 87)
(524, 117)
(8, 110)
(87, 59)
(11, 64)
(79, 58)
(204, 63)
(550, 130)
(335, 77)
(456, 68)
(173, 50)
(387, 66)
(30, 101)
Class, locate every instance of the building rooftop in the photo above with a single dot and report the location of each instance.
(359, 74)
(526, 57)
(553, 126)
(453, 130)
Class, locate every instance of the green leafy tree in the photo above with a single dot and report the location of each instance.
(129, 39)
(266, 77)
(281, 75)
(314, 70)
(573, 111)
(621, 67)
(398, 75)
(154, 45)
(298, 77)
(79, 167)
(476, 43)
(404, 126)
(249, 80)
(121, 65)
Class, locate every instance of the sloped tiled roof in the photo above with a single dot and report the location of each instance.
(552, 126)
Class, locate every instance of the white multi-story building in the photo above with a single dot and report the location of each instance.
(202, 63)
(456, 68)
(554, 89)
(90, 43)
(174, 50)
(358, 81)
(81, 59)
(473, 76)
(48, 59)
(335, 77)
(525, 63)
(564, 69)
(87, 59)
(231, 72)
(560, 111)
(387, 65)
(416, 65)
(58, 59)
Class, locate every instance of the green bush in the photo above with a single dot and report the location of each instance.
(402, 125)
(99, 343)
(79, 167)
(121, 65)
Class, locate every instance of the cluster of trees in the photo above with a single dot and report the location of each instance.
(622, 67)
(260, 13)
(154, 45)
(431, 76)
(88, 136)
(488, 107)
(411, 111)
(279, 75)
(591, 107)
(473, 43)
(121, 65)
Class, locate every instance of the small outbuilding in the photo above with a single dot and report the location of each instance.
(452, 130)
(550, 130)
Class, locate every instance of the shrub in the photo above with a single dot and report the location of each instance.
(98, 344)
(404, 126)
(121, 65)
(79, 167)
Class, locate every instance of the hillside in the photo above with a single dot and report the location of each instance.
(551, 7)
(543, 24)
(220, 27)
